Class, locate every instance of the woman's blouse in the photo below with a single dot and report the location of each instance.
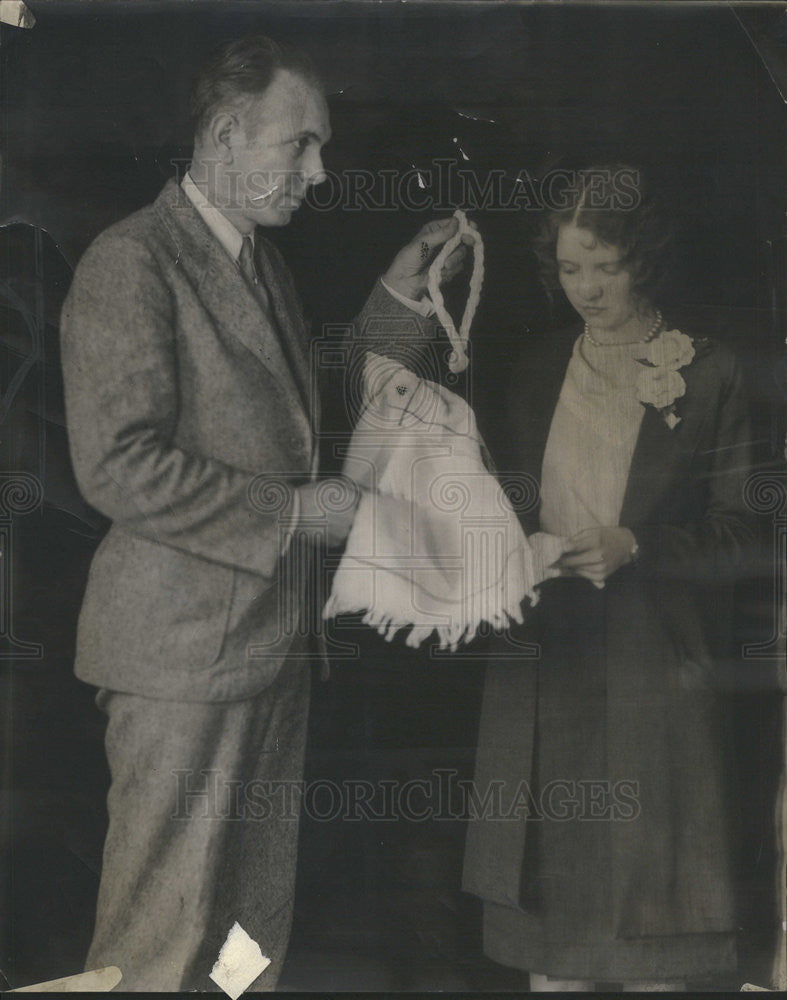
(591, 440)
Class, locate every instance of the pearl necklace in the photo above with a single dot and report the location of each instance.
(654, 328)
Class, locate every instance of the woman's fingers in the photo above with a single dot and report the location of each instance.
(588, 557)
(593, 574)
(583, 540)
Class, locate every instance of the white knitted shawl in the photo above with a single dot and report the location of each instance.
(435, 545)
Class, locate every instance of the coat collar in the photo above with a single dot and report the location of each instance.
(535, 389)
(226, 294)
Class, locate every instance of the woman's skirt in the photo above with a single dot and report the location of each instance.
(611, 804)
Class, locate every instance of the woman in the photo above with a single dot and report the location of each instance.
(610, 859)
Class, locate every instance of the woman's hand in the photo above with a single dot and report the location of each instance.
(409, 271)
(597, 553)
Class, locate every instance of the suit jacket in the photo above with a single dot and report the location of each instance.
(666, 624)
(180, 394)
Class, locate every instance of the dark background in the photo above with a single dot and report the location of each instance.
(94, 114)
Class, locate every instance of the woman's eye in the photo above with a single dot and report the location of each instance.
(564, 269)
(611, 268)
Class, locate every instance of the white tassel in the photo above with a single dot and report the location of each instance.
(458, 339)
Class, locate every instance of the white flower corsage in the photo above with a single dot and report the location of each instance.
(659, 384)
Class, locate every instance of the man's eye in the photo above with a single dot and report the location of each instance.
(567, 270)
(301, 144)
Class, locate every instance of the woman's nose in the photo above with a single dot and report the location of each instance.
(589, 288)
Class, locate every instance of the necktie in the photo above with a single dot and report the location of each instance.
(249, 270)
(266, 299)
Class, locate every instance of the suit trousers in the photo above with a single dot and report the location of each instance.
(203, 829)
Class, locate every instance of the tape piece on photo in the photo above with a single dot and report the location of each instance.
(16, 13)
(97, 981)
(239, 963)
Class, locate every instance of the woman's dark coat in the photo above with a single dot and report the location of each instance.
(665, 626)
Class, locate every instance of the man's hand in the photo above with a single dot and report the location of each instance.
(596, 553)
(327, 509)
(409, 272)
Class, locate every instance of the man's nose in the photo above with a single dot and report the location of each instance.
(314, 170)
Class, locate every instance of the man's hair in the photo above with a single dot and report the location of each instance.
(244, 68)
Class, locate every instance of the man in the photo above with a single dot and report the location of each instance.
(185, 358)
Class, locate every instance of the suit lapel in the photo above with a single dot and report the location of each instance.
(223, 289)
(663, 456)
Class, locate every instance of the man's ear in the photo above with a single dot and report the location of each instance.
(224, 131)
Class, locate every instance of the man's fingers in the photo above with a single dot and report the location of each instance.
(447, 275)
(457, 255)
(451, 270)
(455, 260)
(434, 234)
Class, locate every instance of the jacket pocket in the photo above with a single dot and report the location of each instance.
(150, 606)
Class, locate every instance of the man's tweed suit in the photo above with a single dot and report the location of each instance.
(181, 392)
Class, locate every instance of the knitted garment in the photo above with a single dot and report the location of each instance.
(435, 545)
(592, 438)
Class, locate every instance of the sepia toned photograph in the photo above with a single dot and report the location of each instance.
(393, 496)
